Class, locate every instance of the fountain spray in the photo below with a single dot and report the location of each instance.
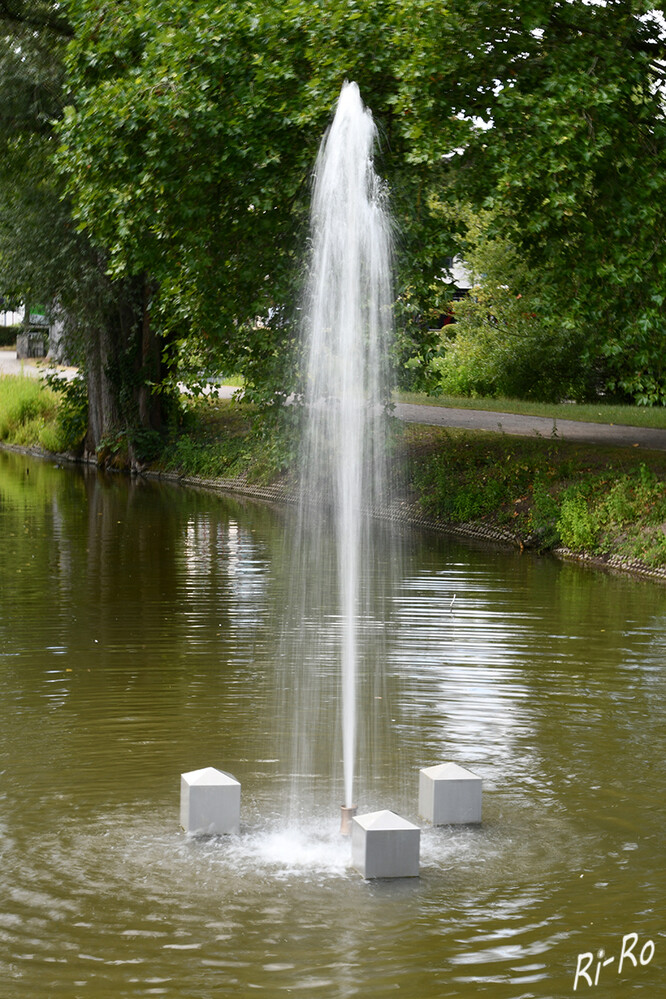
(348, 326)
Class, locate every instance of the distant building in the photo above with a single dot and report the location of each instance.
(458, 276)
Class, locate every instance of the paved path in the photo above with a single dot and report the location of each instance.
(531, 426)
(441, 416)
(35, 367)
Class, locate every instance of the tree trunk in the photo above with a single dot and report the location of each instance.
(150, 402)
(124, 371)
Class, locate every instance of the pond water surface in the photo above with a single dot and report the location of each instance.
(142, 635)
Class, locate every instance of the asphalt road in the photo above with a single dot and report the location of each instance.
(440, 416)
(531, 426)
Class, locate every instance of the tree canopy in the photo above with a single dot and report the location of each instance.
(190, 141)
(574, 169)
(157, 159)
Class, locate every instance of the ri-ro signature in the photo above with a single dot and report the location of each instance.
(589, 971)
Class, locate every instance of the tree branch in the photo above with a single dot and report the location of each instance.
(36, 15)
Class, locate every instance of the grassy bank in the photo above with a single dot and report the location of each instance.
(546, 492)
(29, 414)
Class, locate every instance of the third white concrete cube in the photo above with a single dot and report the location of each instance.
(384, 845)
(449, 795)
(209, 802)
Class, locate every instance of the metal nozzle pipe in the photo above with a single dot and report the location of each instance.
(347, 814)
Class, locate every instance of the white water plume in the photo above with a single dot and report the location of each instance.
(347, 331)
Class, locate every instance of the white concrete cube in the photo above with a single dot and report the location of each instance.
(209, 802)
(449, 795)
(384, 845)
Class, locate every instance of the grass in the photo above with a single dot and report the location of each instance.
(221, 438)
(32, 414)
(547, 493)
(630, 416)
(27, 409)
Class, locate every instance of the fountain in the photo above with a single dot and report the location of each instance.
(346, 335)
(347, 330)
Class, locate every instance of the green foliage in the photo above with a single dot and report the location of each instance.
(573, 171)
(225, 440)
(545, 492)
(8, 335)
(72, 415)
(544, 513)
(424, 296)
(467, 480)
(600, 514)
(185, 137)
(503, 342)
(133, 446)
(204, 185)
(25, 405)
(577, 526)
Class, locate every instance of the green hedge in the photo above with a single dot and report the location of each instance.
(8, 335)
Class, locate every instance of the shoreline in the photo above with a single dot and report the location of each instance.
(402, 511)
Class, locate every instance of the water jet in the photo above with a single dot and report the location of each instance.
(347, 329)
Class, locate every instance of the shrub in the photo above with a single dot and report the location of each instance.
(501, 345)
(72, 415)
(577, 526)
(8, 335)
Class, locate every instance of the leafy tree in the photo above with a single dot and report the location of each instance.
(573, 169)
(42, 256)
(504, 340)
(189, 144)
(187, 132)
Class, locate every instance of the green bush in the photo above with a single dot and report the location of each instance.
(626, 515)
(545, 512)
(501, 346)
(8, 335)
(578, 527)
(72, 415)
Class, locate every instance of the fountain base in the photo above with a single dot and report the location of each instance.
(384, 845)
(209, 802)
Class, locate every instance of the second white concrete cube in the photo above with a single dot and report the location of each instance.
(449, 795)
(384, 845)
(209, 802)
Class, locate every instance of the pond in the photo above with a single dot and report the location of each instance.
(142, 635)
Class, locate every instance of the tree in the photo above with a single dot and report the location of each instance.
(42, 256)
(189, 143)
(573, 169)
(186, 135)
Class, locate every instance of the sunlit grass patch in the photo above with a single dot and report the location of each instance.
(26, 405)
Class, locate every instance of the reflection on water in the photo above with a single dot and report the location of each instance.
(140, 631)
